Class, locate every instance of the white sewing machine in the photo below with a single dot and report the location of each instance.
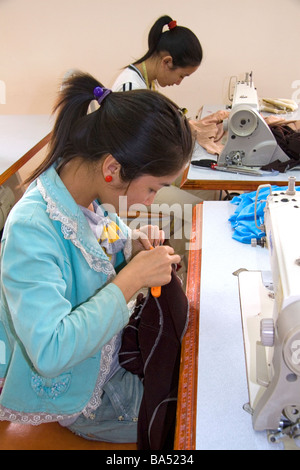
(250, 142)
(270, 308)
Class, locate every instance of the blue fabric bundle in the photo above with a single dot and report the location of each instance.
(243, 221)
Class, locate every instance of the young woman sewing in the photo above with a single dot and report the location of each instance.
(67, 264)
(172, 55)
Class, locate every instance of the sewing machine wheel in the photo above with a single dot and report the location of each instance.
(243, 122)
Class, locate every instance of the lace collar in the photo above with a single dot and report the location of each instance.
(74, 225)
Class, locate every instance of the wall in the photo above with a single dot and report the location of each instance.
(41, 39)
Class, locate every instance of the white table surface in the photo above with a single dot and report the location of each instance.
(19, 134)
(222, 424)
(196, 173)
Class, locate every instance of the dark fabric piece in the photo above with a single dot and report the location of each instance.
(151, 348)
(289, 141)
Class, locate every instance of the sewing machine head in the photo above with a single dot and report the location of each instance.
(272, 327)
(250, 141)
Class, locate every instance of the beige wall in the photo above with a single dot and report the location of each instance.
(41, 39)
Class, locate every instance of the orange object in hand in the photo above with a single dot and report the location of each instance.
(155, 291)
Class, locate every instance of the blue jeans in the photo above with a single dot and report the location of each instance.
(116, 418)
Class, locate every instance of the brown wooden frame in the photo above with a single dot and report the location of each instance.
(24, 159)
(185, 433)
(229, 185)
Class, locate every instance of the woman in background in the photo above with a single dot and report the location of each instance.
(172, 55)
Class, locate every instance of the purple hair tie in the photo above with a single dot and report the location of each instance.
(101, 93)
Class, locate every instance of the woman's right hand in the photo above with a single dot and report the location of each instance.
(155, 266)
(147, 269)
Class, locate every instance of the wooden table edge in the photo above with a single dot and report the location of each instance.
(219, 185)
(185, 432)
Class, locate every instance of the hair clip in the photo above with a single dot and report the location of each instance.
(101, 93)
(172, 24)
(183, 111)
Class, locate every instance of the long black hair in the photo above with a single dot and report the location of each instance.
(180, 42)
(142, 129)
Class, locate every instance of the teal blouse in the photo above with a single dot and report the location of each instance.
(59, 313)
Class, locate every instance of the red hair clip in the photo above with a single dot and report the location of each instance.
(172, 24)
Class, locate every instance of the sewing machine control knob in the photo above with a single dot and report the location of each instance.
(267, 332)
(258, 241)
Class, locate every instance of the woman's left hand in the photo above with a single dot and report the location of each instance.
(146, 237)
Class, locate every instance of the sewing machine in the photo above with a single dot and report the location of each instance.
(270, 308)
(250, 142)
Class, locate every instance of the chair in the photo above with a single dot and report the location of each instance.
(50, 436)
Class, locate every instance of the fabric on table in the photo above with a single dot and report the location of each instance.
(243, 219)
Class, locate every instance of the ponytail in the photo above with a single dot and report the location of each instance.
(180, 42)
(144, 131)
(72, 105)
